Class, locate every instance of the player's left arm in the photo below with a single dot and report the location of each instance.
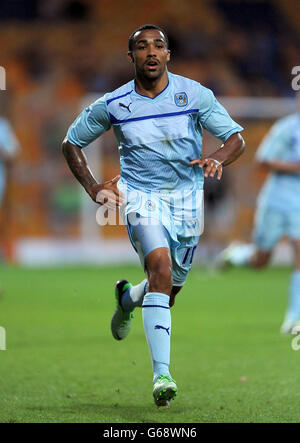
(214, 117)
(228, 153)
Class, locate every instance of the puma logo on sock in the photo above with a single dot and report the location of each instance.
(162, 327)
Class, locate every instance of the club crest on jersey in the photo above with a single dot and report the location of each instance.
(181, 99)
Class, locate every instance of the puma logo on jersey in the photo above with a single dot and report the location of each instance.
(124, 106)
(162, 327)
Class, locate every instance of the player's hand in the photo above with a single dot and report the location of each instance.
(210, 165)
(107, 193)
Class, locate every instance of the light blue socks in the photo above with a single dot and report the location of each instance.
(157, 325)
(293, 309)
(240, 255)
(134, 296)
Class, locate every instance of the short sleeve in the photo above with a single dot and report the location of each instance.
(8, 141)
(273, 145)
(214, 117)
(90, 124)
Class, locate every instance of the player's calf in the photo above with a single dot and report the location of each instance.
(174, 291)
(260, 259)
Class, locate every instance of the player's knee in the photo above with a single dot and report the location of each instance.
(261, 261)
(160, 278)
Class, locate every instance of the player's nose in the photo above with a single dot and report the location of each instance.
(151, 51)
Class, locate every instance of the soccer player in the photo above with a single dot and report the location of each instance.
(158, 120)
(278, 208)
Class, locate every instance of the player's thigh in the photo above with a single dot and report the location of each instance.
(146, 235)
(152, 243)
(269, 226)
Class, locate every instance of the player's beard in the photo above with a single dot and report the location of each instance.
(150, 76)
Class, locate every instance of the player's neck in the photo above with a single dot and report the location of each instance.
(151, 88)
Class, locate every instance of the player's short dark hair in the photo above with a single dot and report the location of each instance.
(142, 28)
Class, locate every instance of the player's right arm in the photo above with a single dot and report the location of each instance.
(88, 126)
(282, 167)
(99, 192)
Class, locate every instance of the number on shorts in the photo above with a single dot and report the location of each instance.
(186, 255)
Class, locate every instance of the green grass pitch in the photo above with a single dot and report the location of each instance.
(227, 356)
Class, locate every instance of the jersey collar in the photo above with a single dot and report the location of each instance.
(158, 96)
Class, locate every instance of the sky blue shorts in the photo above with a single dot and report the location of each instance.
(271, 225)
(151, 234)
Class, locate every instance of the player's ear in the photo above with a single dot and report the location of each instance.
(169, 55)
(130, 56)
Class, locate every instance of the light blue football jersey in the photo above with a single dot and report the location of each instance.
(157, 137)
(281, 191)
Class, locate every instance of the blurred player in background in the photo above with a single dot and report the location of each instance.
(9, 148)
(157, 119)
(278, 208)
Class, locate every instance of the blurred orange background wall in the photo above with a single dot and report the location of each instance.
(55, 53)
